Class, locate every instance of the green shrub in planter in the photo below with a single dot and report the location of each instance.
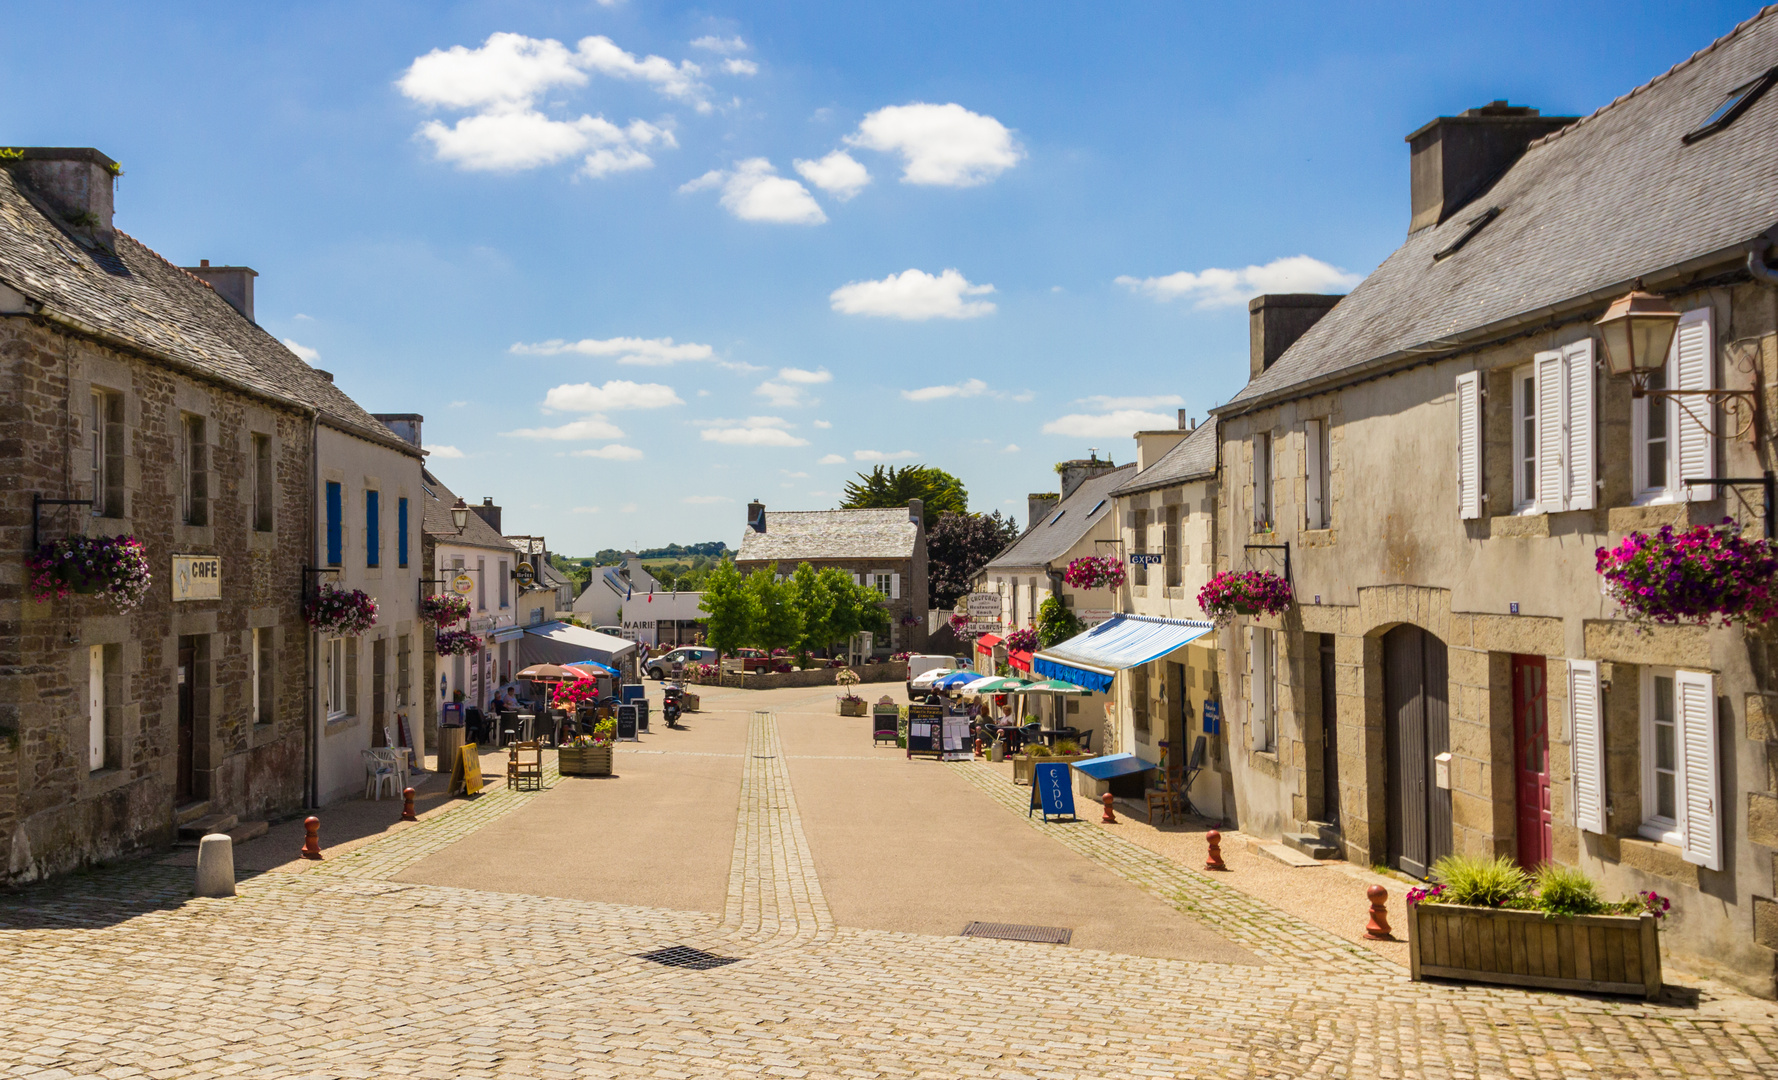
(1479, 882)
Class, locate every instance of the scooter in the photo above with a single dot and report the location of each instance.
(670, 703)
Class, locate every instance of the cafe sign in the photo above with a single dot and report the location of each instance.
(462, 584)
(524, 574)
(197, 577)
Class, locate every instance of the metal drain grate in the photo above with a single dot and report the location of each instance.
(1052, 935)
(684, 956)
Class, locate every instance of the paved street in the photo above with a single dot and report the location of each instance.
(502, 938)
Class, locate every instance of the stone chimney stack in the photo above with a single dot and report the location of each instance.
(1454, 159)
(406, 425)
(756, 516)
(1077, 472)
(75, 185)
(917, 512)
(1274, 323)
(1038, 506)
(232, 283)
(488, 512)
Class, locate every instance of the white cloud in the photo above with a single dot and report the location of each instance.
(584, 510)
(646, 352)
(440, 450)
(795, 475)
(300, 317)
(1215, 288)
(878, 455)
(753, 431)
(706, 500)
(627, 508)
(968, 388)
(1119, 424)
(914, 295)
(785, 395)
(943, 145)
(824, 424)
(615, 395)
(613, 452)
(740, 67)
(805, 376)
(309, 355)
(755, 192)
(509, 69)
(593, 427)
(832, 459)
(510, 139)
(1010, 448)
(838, 174)
(601, 54)
(721, 45)
(459, 404)
(1105, 404)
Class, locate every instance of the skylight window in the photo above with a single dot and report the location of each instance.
(1738, 101)
(1476, 225)
(1098, 506)
(1058, 516)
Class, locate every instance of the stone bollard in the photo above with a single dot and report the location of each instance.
(1109, 818)
(1378, 928)
(407, 805)
(312, 841)
(1213, 858)
(216, 866)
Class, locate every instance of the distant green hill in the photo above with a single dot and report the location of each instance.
(612, 556)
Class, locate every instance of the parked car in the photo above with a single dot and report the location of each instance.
(921, 684)
(755, 660)
(659, 667)
(921, 663)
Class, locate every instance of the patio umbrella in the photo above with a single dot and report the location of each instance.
(952, 682)
(1051, 686)
(552, 673)
(594, 668)
(995, 684)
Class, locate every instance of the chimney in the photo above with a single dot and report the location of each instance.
(756, 516)
(1151, 446)
(1456, 158)
(404, 424)
(1274, 323)
(488, 512)
(232, 283)
(917, 512)
(1038, 506)
(1077, 472)
(76, 184)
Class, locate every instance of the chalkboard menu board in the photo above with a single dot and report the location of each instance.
(626, 722)
(925, 729)
(641, 714)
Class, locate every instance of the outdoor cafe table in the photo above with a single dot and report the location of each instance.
(1051, 735)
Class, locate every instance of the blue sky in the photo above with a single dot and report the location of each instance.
(576, 236)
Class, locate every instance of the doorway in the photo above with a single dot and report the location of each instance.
(1531, 759)
(185, 755)
(1330, 735)
(1417, 717)
(379, 705)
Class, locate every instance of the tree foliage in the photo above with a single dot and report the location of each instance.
(777, 624)
(960, 545)
(1055, 623)
(886, 486)
(730, 606)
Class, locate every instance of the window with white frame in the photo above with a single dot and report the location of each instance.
(1524, 439)
(334, 677)
(505, 585)
(1262, 482)
(105, 430)
(1660, 756)
(1262, 688)
(1673, 437)
(1317, 475)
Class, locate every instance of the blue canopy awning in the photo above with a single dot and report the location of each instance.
(1113, 765)
(950, 682)
(1094, 658)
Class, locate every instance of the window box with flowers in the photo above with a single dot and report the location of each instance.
(114, 567)
(588, 755)
(1243, 592)
(1691, 577)
(340, 612)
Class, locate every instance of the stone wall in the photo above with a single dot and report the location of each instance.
(892, 672)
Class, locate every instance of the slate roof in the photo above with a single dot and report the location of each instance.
(438, 523)
(1585, 211)
(1056, 535)
(832, 534)
(136, 298)
(1192, 459)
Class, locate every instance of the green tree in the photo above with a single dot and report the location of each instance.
(776, 625)
(1055, 623)
(885, 487)
(960, 545)
(812, 596)
(855, 607)
(732, 607)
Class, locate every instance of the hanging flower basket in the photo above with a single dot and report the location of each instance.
(1708, 571)
(444, 609)
(1244, 592)
(457, 643)
(1095, 572)
(1023, 639)
(114, 566)
(341, 612)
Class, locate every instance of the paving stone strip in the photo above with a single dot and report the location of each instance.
(774, 897)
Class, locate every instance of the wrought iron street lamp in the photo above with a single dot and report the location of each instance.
(460, 515)
(1638, 331)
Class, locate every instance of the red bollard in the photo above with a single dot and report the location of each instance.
(1213, 858)
(1378, 928)
(978, 748)
(312, 842)
(407, 806)
(1109, 818)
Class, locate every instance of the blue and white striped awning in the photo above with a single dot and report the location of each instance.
(1094, 658)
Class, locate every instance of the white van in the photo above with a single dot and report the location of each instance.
(920, 663)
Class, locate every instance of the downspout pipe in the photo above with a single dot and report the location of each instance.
(311, 721)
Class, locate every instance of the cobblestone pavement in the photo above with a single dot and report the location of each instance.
(341, 972)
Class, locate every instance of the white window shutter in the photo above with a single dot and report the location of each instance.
(1312, 501)
(1578, 430)
(95, 692)
(895, 586)
(1588, 723)
(1469, 445)
(1700, 826)
(1694, 368)
(1549, 389)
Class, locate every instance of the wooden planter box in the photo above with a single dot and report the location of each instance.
(1021, 765)
(857, 707)
(584, 760)
(689, 702)
(1599, 954)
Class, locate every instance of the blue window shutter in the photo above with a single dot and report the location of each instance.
(401, 532)
(373, 520)
(333, 523)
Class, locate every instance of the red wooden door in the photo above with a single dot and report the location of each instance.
(1531, 758)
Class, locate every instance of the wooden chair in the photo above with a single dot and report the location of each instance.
(1169, 795)
(524, 765)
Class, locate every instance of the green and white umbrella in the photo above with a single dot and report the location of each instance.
(1052, 686)
(997, 684)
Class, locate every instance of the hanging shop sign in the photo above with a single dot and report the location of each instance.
(1145, 558)
(462, 584)
(197, 577)
(524, 575)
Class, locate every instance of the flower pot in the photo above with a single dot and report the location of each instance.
(1246, 609)
(688, 702)
(584, 760)
(853, 706)
(1596, 954)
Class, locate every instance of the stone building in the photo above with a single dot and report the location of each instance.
(1443, 450)
(883, 549)
(136, 389)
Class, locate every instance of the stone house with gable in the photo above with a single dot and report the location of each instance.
(1443, 450)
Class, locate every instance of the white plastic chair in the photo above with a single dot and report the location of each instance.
(396, 756)
(378, 769)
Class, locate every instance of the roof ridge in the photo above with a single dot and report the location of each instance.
(1762, 13)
